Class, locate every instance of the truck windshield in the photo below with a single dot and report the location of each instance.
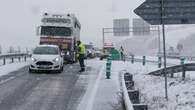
(46, 50)
(55, 31)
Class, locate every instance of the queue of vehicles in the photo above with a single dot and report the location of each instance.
(58, 36)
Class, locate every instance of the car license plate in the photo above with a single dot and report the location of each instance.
(44, 67)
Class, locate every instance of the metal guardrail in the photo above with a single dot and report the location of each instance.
(190, 58)
(175, 69)
(128, 58)
(127, 102)
(13, 56)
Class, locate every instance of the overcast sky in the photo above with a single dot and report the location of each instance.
(19, 18)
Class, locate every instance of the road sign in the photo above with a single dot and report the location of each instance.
(121, 27)
(140, 27)
(175, 11)
(164, 12)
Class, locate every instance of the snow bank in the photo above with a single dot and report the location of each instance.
(5, 69)
(181, 93)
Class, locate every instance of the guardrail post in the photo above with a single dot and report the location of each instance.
(4, 61)
(183, 72)
(25, 58)
(19, 59)
(132, 59)
(159, 62)
(183, 68)
(108, 68)
(144, 60)
(140, 107)
(12, 59)
(172, 75)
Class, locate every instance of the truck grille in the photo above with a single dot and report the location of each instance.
(44, 63)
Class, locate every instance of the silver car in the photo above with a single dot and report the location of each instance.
(46, 58)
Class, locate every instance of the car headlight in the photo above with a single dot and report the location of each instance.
(33, 59)
(56, 59)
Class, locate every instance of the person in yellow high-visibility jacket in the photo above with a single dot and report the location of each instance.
(81, 55)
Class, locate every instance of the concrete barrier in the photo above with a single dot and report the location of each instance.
(130, 95)
(130, 85)
(127, 101)
(134, 96)
(140, 107)
(128, 77)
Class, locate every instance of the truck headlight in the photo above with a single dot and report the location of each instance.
(33, 59)
(56, 59)
(67, 53)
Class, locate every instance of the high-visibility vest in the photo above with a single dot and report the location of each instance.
(82, 49)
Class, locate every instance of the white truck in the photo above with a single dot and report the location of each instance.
(62, 30)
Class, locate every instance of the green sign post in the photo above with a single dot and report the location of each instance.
(108, 68)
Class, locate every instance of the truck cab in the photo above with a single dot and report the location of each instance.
(62, 30)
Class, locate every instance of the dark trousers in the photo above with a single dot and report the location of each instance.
(81, 61)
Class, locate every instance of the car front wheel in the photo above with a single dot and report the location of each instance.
(60, 70)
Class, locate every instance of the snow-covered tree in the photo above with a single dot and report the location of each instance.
(11, 49)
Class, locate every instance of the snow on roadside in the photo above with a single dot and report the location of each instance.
(94, 79)
(102, 92)
(5, 69)
(181, 93)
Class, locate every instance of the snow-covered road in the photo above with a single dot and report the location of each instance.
(181, 93)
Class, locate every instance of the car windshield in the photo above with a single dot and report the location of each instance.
(46, 50)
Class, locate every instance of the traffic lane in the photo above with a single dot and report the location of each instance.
(41, 91)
